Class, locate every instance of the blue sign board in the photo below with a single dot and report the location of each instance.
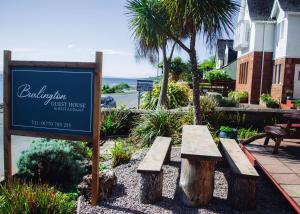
(144, 85)
(52, 100)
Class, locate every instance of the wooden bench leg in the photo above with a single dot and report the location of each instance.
(150, 187)
(242, 192)
(267, 140)
(196, 182)
(277, 145)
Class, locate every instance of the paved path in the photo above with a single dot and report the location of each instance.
(130, 100)
(283, 167)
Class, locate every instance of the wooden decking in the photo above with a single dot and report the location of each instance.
(283, 168)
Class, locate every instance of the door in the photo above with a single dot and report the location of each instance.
(297, 81)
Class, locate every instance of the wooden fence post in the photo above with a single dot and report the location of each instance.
(6, 119)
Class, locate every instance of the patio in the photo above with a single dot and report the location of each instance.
(283, 168)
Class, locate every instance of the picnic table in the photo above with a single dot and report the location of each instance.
(199, 155)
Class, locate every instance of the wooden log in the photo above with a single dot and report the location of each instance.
(197, 181)
(242, 192)
(150, 190)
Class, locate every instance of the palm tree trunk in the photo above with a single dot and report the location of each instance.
(162, 101)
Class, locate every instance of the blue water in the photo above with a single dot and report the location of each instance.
(111, 81)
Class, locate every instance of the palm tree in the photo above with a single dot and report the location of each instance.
(146, 17)
(191, 18)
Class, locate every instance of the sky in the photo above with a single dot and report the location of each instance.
(73, 30)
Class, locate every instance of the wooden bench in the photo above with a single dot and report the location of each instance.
(243, 177)
(199, 155)
(150, 170)
(275, 133)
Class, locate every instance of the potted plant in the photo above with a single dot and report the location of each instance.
(227, 132)
(297, 103)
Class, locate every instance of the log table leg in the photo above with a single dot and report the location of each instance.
(150, 187)
(197, 181)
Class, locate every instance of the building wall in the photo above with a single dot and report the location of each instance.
(252, 86)
(279, 91)
(280, 44)
(293, 36)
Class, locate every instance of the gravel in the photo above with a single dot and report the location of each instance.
(124, 198)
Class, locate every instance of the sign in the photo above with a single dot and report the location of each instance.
(56, 100)
(144, 85)
(52, 100)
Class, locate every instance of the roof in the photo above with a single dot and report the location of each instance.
(221, 46)
(290, 5)
(260, 10)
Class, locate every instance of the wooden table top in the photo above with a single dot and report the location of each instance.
(197, 143)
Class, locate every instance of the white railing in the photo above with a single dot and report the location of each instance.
(242, 35)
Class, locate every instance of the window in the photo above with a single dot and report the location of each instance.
(277, 74)
(243, 73)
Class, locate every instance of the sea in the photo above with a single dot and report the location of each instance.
(111, 81)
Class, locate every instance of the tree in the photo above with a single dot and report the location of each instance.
(146, 19)
(191, 18)
(177, 68)
(207, 64)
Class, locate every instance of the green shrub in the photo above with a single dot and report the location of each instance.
(215, 75)
(29, 198)
(115, 122)
(227, 102)
(106, 89)
(240, 96)
(120, 153)
(269, 101)
(244, 133)
(297, 102)
(54, 162)
(158, 123)
(177, 96)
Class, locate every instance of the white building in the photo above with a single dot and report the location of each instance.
(267, 39)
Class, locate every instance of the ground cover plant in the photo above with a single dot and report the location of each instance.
(55, 162)
(120, 153)
(30, 198)
(178, 95)
(245, 133)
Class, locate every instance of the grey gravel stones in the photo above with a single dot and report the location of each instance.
(125, 195)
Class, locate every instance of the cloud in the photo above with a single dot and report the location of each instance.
(113, 52)
(70, 46)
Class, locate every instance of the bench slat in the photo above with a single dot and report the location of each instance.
(156, 155)
(236, 158)
(197, 143)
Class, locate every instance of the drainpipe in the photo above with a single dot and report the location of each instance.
(263, 61)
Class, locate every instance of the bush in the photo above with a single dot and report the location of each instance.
(106, 89)
(54, 162)
(120, 154)
(158, 123)
(215, 75)
(227, 102)
(115, 122)
(240, 96)
(269, 101)
(29, 198)
(177, 96)
(244, 133)
(297, 102)
(226, 129)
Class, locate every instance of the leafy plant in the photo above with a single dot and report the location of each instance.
(54, 162)
(29, 198)
(265, 97)
(158, 123)
(297, 102)
(120, 154)
(226, 102)
(106, 89)
(240, 96)
(245, 133)
(177, 96)
(271, 103)
(226, 129)
(115, 122)
(215, 75)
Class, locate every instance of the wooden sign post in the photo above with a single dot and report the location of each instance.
(58, 100)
